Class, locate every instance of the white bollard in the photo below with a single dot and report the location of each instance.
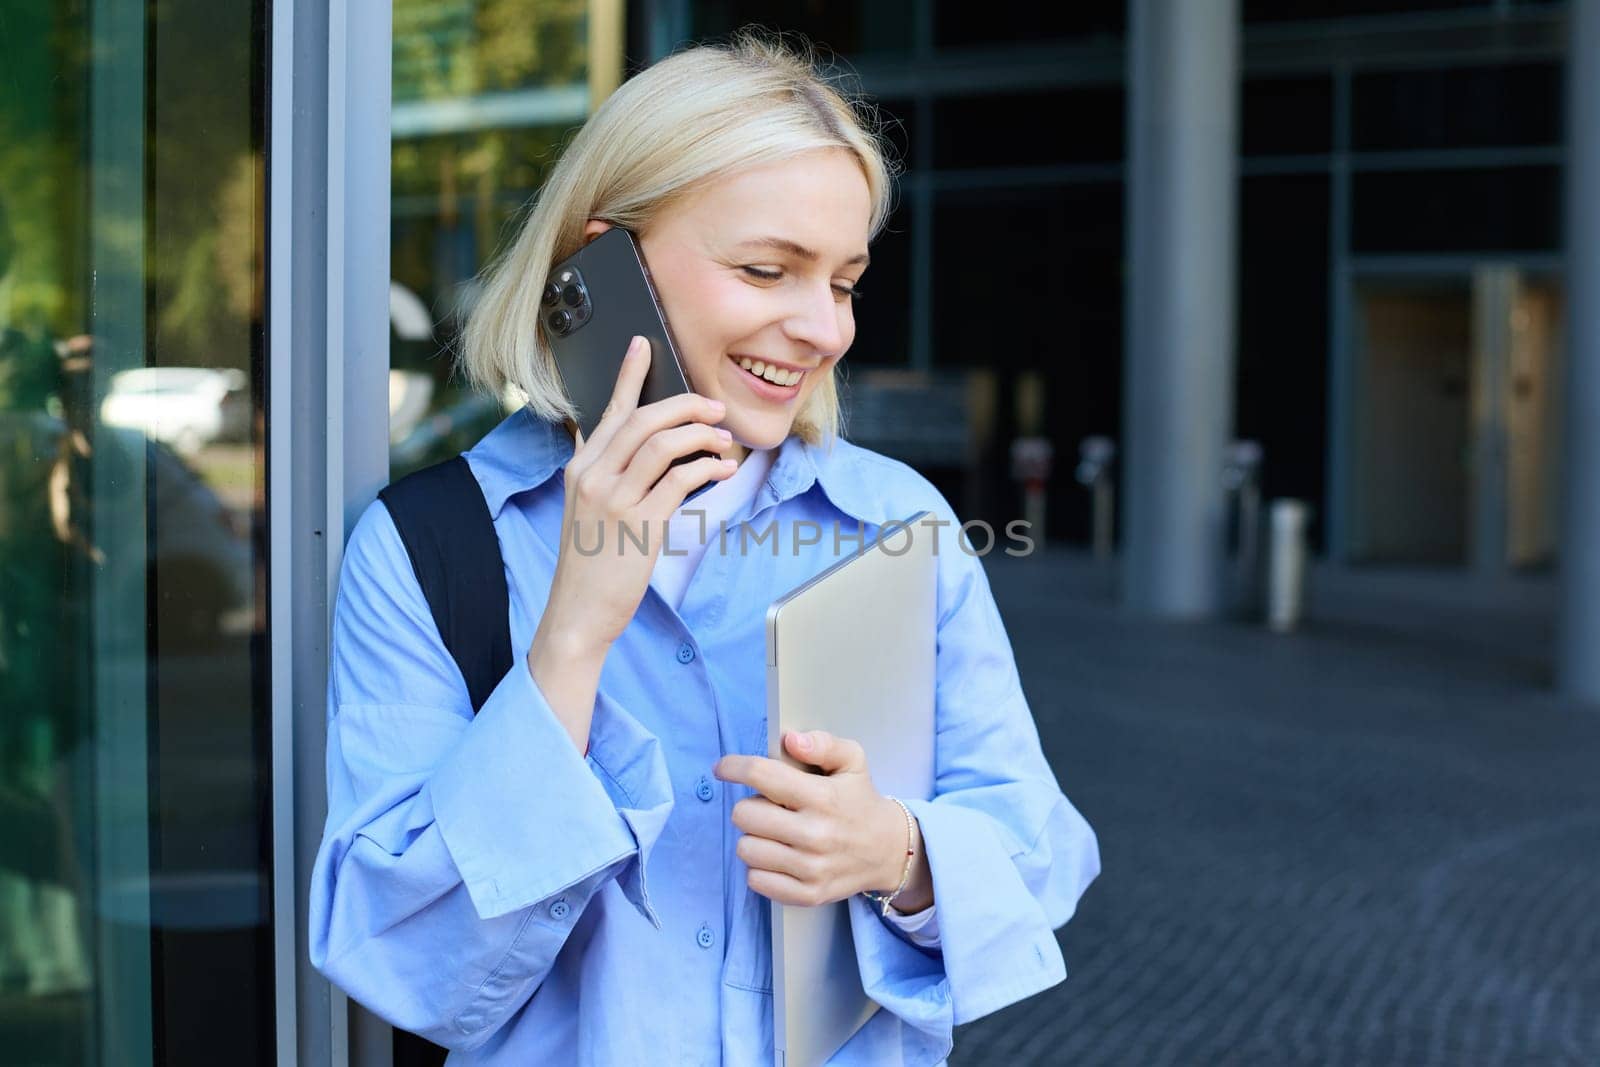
(1286, 576)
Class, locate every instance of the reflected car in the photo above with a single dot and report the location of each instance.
(185, 408)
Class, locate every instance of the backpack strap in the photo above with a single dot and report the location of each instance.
(445, 524)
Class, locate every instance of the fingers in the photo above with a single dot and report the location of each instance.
(626, 461)
(625, 394)
(618, 452)
(658, 452)
(676, 484)
(822, 749)
(778, 783)
(782, 866)
(787, 889)
(759, 816)
(768, 855)
(618, 434)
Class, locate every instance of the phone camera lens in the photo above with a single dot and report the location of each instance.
(552, 293)
(572, 295)
(560, 322)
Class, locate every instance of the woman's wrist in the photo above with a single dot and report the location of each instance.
(568, 642)
(918, 891)
(904, 883)
(568, 675)
(896, 840)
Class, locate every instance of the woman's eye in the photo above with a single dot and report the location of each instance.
(847, 292)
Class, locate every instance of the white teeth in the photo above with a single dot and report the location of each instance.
(775, 375)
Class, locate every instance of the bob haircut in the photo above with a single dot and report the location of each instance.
(695, 116)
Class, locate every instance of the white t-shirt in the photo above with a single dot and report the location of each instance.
(684, 531)
(691, 534)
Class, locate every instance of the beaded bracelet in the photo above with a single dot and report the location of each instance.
(905, 875)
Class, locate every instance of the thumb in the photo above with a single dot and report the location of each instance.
(821, 749)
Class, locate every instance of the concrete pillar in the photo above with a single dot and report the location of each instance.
(1181, 239)
(1579, 647)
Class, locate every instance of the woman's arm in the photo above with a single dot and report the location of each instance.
(460, 850)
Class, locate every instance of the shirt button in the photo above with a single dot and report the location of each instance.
(703, 790)
(559, 908)
(704, 937)
(685, 653)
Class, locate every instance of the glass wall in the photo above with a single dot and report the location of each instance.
(134, 877)
(484, 93)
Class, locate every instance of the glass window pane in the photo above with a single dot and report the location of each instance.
(1281, 383)
(1301, 10)
(445, 49)
(847, 28)
(1030, 278)
(1029, 281)
(1515, 209)
(134, 775)
(883, 314)
(958, 23)
(1473, 107)
(1002, 129)
(485, 93)
(1286, 116)
(899, 127)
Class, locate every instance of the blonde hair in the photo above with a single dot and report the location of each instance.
(699, 114)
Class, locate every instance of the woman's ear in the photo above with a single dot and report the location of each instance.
(594, 228)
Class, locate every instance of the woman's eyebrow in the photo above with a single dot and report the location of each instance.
(783, 244)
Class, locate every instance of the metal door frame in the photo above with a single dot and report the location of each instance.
(327, 441)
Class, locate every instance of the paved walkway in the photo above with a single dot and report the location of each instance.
(1374, 842)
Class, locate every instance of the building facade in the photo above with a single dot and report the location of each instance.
(236, 241)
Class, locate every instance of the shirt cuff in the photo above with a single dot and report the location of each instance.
(999, 946)
(525, 816)
(906, 980)
(920, 927)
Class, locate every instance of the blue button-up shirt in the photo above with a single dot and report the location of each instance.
(482, 883)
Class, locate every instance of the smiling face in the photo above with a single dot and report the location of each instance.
(757, 268)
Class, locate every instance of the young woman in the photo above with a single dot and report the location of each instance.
(583, 871)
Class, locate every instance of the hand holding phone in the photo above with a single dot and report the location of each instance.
(630, 471)
(594, 303)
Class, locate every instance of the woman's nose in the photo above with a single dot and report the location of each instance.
(817, 323)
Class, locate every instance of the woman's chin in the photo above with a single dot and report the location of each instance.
(758, 432)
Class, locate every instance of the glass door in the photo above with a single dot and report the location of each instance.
(485, 91)
(1457, 424)
(134, 861)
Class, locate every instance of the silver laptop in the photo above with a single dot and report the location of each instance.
(851, 652)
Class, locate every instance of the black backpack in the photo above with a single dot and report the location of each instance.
(445, 525)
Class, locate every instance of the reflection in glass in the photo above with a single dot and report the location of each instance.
(133, 733)
(484, 93)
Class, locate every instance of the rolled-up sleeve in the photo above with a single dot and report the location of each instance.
(460, 850)
(921, 928)
(1009, 854)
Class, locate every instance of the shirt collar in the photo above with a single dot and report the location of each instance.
(523, 451)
